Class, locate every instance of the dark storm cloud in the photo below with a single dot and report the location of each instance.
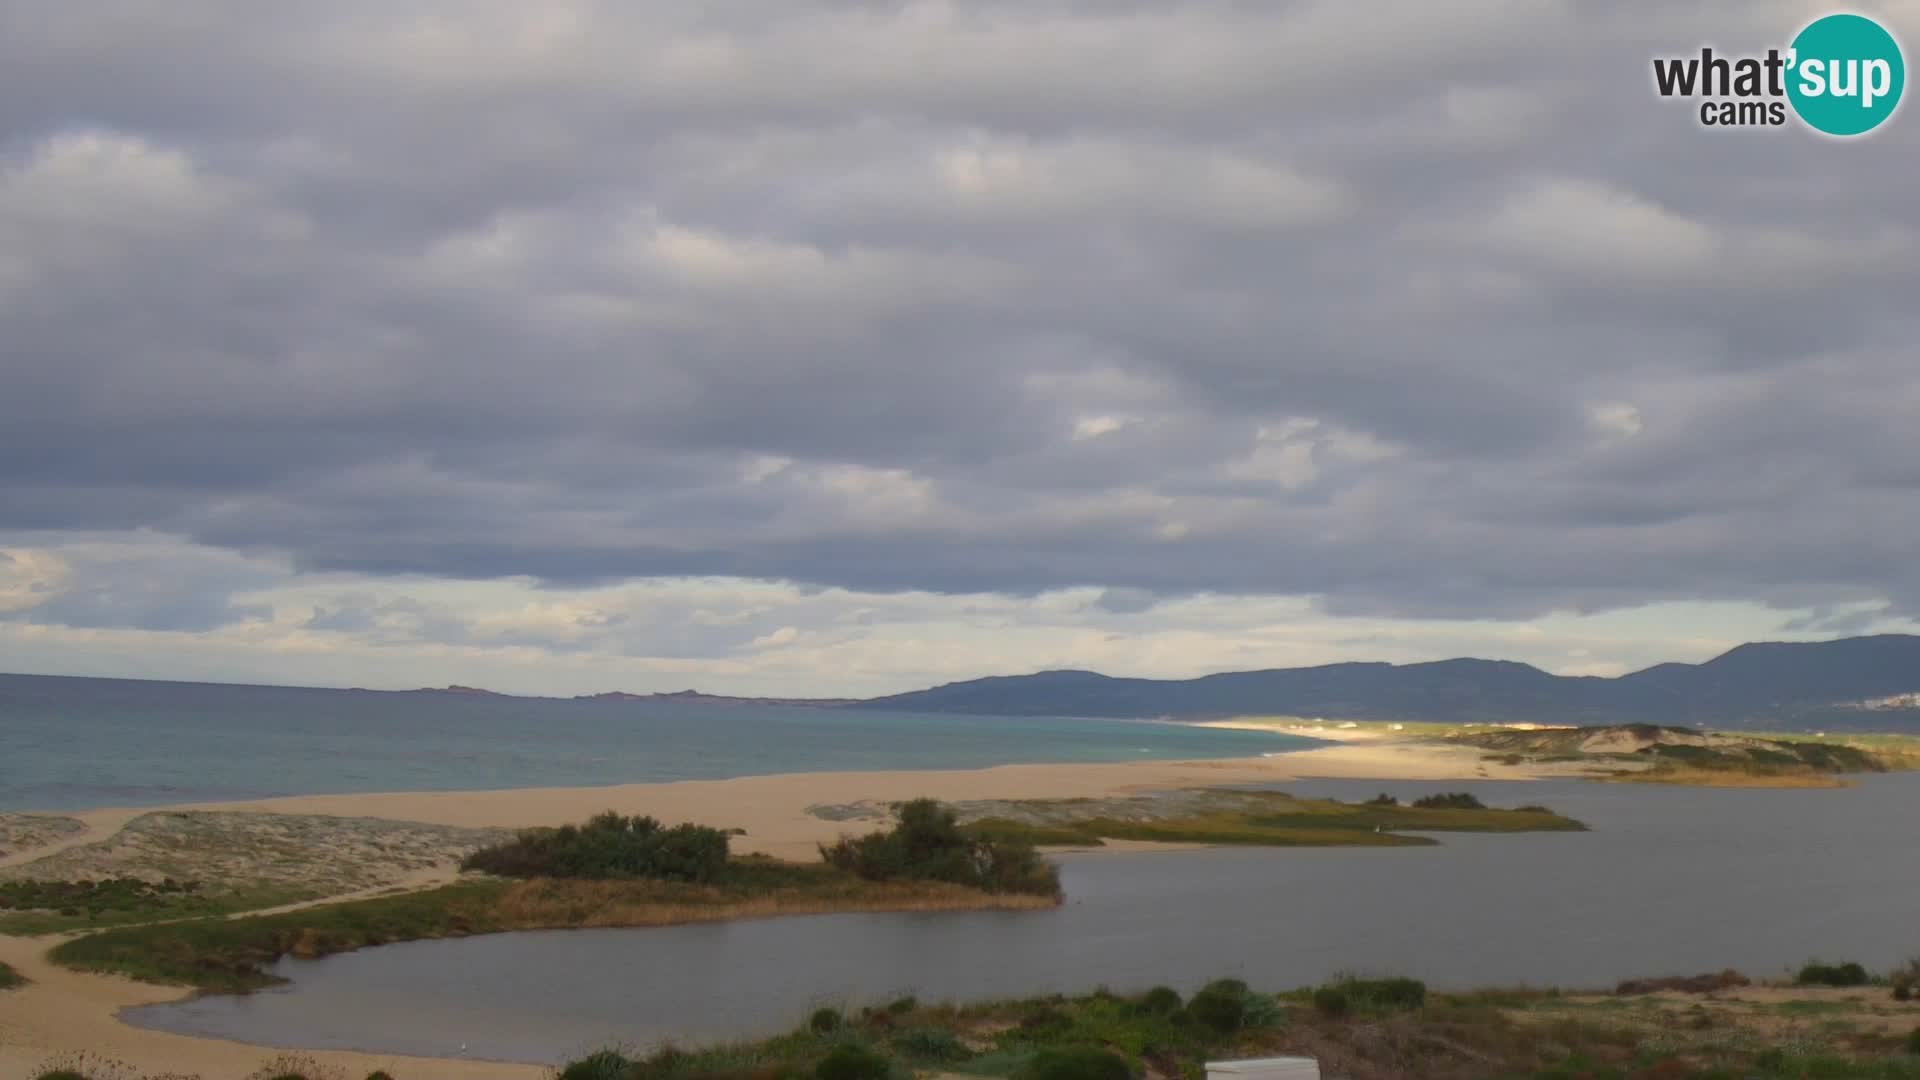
(1428, 312)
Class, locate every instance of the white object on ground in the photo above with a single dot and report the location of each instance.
(1278, 1068)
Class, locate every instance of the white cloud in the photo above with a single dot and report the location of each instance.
(1615, 419)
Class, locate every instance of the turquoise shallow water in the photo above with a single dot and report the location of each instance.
(76, 743)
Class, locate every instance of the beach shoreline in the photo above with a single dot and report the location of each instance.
(62, 1011)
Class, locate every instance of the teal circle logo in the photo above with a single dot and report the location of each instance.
(1845, 74)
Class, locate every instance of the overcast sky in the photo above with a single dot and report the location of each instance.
(843, 347)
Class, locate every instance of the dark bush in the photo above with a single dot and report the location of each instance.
(1075, 1063)
(60, 1074)
(1816, 974)
(1161, 1001)
(824, 1021)
(851, 1061)
(1456, 800)
(900, 1006)
(609, 846)
(1384, 995)
(1220, 1005)
(1905, 979)
(1913, 1041)
(1383, 799)
(928, 845)
(1332, 1001)
(1685, 984)
(1045, 1020)
(931, 1044)
(601, 1065)
(380, 1074)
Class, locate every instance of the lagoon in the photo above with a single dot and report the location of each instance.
(1669, 881)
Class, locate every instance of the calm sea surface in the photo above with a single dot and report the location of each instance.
(1670, 880)
(78, 743)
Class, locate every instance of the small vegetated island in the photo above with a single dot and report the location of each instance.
(618, 871)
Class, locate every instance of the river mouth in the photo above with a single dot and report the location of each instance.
(1669, 881)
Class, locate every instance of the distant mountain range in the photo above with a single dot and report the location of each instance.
(1854, 683)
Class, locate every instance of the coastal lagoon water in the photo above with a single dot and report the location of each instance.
(69, 744)
(1669, 880)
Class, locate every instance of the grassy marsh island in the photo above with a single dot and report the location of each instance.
(1240, 816)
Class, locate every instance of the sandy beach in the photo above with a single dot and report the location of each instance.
(62, 1011)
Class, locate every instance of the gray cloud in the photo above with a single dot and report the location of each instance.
(1420, 313)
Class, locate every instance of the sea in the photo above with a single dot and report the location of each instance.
(77, 743)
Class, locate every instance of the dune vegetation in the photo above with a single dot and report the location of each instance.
(1360, 1028)
(1650, 753)
(10, 978)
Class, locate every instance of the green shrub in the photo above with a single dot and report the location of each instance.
(825, 1021)
(1383, 799)
(1262, 1011)
(1905, 979)
(1045, 1019)
(852, 1061)
(1455, 800)
(931, 1044)
(1913, 1041)
(380, 1074)
(1220, 1005)
(1075, 1063)
(609, 846)
(1384, 995)
(900, 1006)
(60, 1074)
(1332, 1001)
(600, 1065)
(1161, 1001)
(1817, 974)
(929, 845)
